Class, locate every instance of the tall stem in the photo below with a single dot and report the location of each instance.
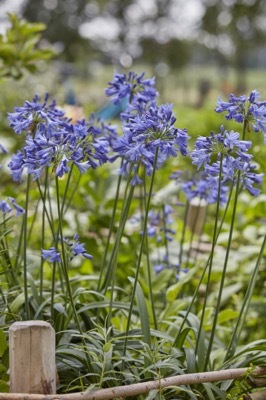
(65, 272)
(111, 227)
(25, 234)
(214, 238)
(140, 252)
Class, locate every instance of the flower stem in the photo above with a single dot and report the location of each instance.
(25, 234)
(140, 255)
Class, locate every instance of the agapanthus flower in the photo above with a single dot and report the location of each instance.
(147, 135)
(247, 109)
(224, 156)
(131, 86)
(223, 144)
(6, 206)
(55, 142)
(205, 187)
(25, 118)
(51, 255)
(19, 210)
(165, 263)
(3, 150)
(159, 223)
(73, 248)
(139, 93)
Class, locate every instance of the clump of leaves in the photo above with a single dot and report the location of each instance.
(19, 48)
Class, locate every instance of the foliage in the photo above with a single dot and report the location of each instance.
(18, 48)
(161, 296)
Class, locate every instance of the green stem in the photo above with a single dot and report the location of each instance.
(65, 272)
(214, 239)
(111, 228)
(123, 218)
(140, 253)
(218, 304)
(152, 301)
(245, 305)
(25, 233)
(112, 265)
(219, 299)
(203, 273)
(183, 234)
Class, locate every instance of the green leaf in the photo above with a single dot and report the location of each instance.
(174, 290)
(4, 386)
(3, 343)
(227, 315)
(143, 313)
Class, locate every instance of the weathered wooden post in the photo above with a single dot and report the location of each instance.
(32, 358)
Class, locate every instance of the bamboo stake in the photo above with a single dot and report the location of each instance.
(143, 387)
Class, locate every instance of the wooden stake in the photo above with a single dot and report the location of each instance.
(32, 357)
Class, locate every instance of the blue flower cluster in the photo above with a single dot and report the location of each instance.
(204, 187)
(74, 248)
(53, 141)
(159, 222)
(135, 89)
(226, 153)
(148, 129)
(247, 109)
(148, 138)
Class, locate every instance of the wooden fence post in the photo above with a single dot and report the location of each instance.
(32, 358)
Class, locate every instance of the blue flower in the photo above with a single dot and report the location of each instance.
(247, 109)
(204, 187)
(76, 248)
(226, 144)
(223, 153)
(159, 223)
(133, 87)
(147, 134)
(25, 118)
(53, 141)
(19, 209)
(51, 255)
(5, 207)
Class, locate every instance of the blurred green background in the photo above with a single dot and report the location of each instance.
(197, 49)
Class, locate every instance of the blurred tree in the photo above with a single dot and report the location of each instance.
(19, 48)
(234, 28)
(118, 29)
(62, 18)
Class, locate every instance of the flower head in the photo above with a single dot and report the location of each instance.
(133, 87)
(55, 142)
(247, 109)
(51, 255)
(223, 156)
(149, 136)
